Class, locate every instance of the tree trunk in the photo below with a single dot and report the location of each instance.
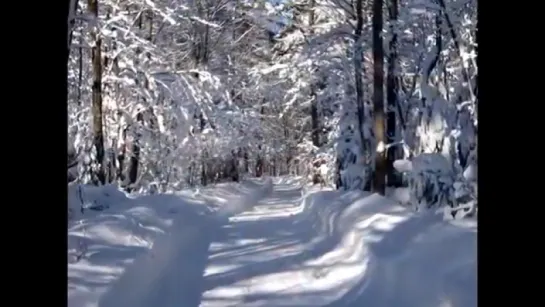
(394, 178)
(121, 156)
(135, 152)
(358, 71)
(63, 85)
(201, 36)
(234, 166)
(96, 58)
(68, 42)
(72, 7)
(315, 124)
(204, 168)
(259, 163)
(379, 182)
(204, 154)
(246, 158)
(465, 74)
(80, 70)
(150, 20)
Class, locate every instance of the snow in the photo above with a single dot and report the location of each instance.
(102, 245)
(403, 166)
(401, 195)
(381, 147)
(470, 173)
(431, 181)
(262, 244)
(431, 162)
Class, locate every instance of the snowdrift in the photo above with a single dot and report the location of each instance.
(405, 258)
(270, 243)
(116, 235)
(342, 249)
(86, 199)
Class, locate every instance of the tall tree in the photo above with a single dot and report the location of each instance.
(379, 177)
(393, 177)
(70, 21)
(64, 83)
(96, 58)
(358, 76)
(314, 101)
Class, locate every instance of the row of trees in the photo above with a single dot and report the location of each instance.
(176, 93)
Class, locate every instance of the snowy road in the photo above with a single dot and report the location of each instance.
(328, 249)
(339, 250)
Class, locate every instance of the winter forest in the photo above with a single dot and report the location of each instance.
(353, 94)
(261, 153)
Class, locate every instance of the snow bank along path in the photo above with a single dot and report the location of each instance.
(327, 249)
(340, 249)
(170, 273)
(103, 245)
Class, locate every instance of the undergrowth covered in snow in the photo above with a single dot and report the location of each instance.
(169, 95)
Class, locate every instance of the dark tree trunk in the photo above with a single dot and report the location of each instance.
(358, 76)
(204, 154)
(64, 85)
(259, 163)
(379, 182)
(135, 152)
(246, 158)
(393, 153)
(121, 157)
(315, 122)
(234, 166)
(204, 168)
(70, 25)
(80, 70)
(96, 58)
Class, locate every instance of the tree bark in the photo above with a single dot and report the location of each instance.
(135, 152)
(394, 178)
(69, 40)
(379, 176)
(315, 124)
(63, 85)
(96, 58)
(72, 6)
(358, 71)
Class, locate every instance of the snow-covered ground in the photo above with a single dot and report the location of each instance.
(245, 245)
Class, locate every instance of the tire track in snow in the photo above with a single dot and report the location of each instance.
(171, 273)
(254, 274)
(340, 250)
